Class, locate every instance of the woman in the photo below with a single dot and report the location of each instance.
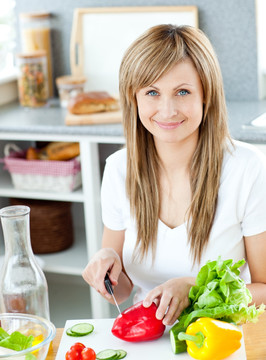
(181, 192)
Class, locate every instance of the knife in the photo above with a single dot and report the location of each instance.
(109, 288)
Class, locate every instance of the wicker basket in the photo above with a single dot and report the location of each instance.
(41, 175)
(51, 226)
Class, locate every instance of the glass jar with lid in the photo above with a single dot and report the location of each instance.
(36, 35)
(32, 78)
(69, 86)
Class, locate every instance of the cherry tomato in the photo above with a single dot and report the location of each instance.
(78, 347)
(73, 354)
(88, 354)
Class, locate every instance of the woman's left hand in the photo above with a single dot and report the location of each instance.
(171, 298)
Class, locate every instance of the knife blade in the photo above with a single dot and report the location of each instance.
(109, 288)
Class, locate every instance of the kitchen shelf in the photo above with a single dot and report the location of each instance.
(70, 261)
(7, 190)
(86, 221)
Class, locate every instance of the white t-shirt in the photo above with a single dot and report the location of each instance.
(241, 211)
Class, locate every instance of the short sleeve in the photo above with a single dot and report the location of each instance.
(113, 192)
(254, 220)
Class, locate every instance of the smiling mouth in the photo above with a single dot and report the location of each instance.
(169, 125)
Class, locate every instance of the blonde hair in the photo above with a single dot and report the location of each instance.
(145, 61)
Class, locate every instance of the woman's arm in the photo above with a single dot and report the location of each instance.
(109, 258)
(256, 254)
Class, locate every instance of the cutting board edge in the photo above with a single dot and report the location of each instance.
(110, 117)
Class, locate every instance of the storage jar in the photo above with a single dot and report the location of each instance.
(69, 86)
(32, 79)
(35, 31)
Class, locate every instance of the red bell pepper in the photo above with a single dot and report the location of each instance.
(138, 323)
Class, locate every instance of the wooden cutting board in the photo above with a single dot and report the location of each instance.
(110, 117)
(102, 338)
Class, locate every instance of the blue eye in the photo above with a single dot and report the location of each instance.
(182, 92)
(152, 93)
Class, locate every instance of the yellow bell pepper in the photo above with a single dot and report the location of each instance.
(210, 339)
(37, 340)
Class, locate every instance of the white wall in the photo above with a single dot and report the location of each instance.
(8, 90)
(261, 38)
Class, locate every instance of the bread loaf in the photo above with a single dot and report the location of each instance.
(32, 154)
(92, 102)
(56, 150)
(62, 150)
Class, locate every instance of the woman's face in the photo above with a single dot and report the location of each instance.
(171, 108)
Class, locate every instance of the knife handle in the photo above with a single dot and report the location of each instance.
(108, 284)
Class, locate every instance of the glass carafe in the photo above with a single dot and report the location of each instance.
(23, 286)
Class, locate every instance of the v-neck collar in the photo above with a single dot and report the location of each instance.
(166, 227)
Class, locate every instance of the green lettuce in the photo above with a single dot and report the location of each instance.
(30, 357)
(221, 294)
(3, 334)
(15, 341)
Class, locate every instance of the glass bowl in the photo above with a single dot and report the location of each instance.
(42, 330)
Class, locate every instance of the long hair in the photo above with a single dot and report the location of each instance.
(145, 61)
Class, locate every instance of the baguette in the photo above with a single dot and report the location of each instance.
(92, 102)
(62, 150)
(54, 151)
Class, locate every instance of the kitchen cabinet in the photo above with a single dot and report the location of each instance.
(86, 200)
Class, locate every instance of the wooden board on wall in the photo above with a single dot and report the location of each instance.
(101, 35)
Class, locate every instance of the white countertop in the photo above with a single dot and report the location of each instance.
(102, 338)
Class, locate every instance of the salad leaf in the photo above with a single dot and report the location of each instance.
(221, 294)
(3, 334)
(30, 357)
(16, 341)
(219, 287)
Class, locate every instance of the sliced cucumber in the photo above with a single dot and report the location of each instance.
(121, 353)
(107, 354)
(80, 329)
(70, 333)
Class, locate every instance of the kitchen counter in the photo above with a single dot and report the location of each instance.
(49, 120)
(240, 115)
(254, 337)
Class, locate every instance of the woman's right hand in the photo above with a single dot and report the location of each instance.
(105, 260)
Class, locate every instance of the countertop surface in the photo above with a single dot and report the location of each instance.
(102, 338)
(254, 338)
(51, 120)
